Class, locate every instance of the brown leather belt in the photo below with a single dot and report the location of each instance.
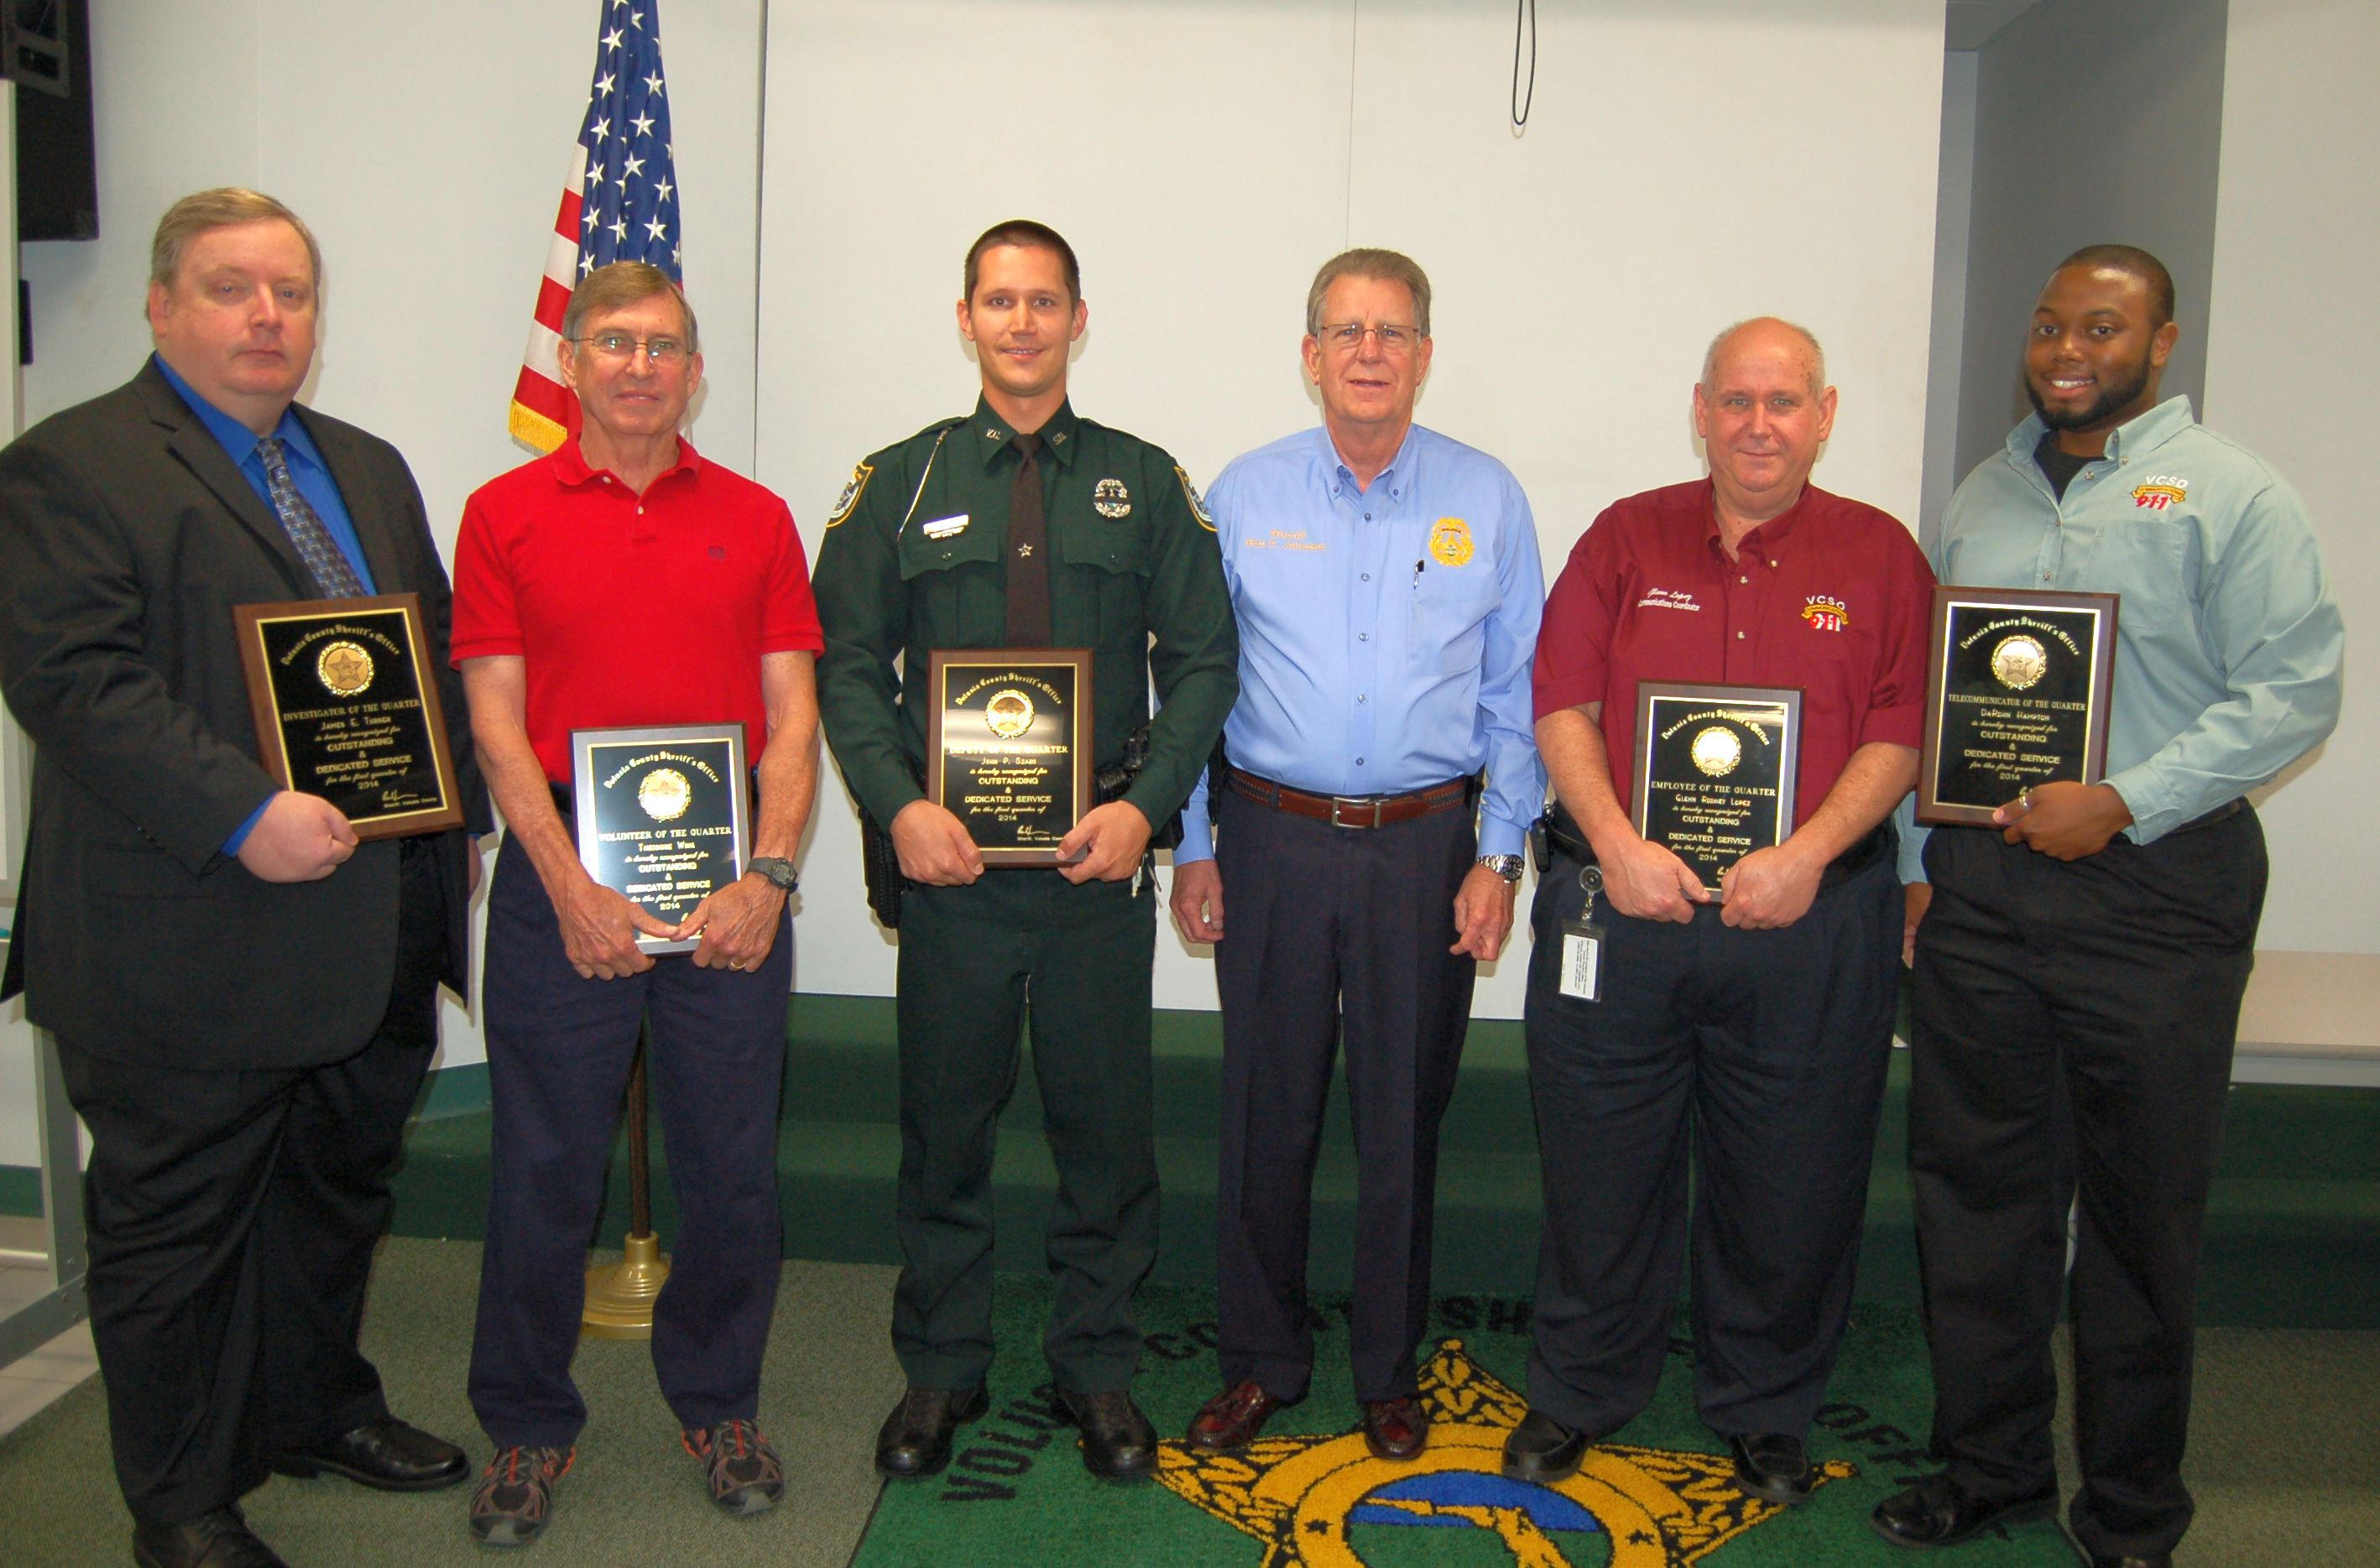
(1353, 810)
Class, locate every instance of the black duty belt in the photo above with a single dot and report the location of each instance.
(1562, 838)
(1353, 810)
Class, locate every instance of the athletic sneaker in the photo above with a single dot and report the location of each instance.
(744, 1474)
(515, 1494)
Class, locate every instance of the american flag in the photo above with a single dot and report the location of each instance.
(620, 203)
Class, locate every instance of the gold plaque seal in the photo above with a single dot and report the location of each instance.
(344, 668)
(664, 794)
(2019, 661)
(1009, 714)
(1716, 751)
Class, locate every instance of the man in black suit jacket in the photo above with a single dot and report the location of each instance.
(244, 997)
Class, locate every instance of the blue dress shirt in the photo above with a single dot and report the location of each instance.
(1386, 633)
(307, 471)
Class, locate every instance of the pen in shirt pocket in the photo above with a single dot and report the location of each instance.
(1417, 566)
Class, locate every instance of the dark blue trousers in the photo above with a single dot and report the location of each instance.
(559, 1050)
(1764, 1052)
(1336, 935)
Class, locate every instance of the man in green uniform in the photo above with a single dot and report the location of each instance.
(1024, 525)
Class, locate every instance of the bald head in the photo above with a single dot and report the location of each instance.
(1769, 333)
(1763, 410)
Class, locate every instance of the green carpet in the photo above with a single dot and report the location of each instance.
(2280, 1456)
(634, 1500)
(1308, 1496)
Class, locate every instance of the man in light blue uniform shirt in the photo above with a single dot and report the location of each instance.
(1386, 583)
(2079, 964)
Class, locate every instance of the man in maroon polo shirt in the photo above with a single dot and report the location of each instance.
(1754, 1018)
(625, 581)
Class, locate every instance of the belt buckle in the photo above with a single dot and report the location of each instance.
(1339, 804)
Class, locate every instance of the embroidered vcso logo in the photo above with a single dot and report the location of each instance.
(1826, 613)
(1312, 1502)
(1450, 542)
(2160, 492)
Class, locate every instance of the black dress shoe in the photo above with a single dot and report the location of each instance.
(1774, 1466)
(1541, 1449)
(915, 1439)
(387, 1454)
(1118, 1443)
(1937, 1511)
(2162, 1560)
(220, 1539)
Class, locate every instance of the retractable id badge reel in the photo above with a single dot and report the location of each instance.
(1582, 944)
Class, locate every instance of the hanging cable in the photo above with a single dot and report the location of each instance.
(1523, 11)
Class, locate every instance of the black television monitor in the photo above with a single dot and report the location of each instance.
(46, 50)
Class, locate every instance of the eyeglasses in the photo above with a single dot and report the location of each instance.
(1347, 337)
(664, 353)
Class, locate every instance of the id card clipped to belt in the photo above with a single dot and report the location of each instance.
(1582, 944)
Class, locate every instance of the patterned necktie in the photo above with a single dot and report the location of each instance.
(1028, 546)
(334, 578)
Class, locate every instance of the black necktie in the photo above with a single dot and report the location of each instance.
(1029, 553)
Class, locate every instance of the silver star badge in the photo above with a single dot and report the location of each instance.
(1024, 549)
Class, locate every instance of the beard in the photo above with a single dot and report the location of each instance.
(2111, 400)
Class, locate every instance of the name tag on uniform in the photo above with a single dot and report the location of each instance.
(943, 527)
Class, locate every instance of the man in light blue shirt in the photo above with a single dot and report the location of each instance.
(1386, 584)
(2079, 964)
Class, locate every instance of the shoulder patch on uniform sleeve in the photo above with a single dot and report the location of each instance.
(848, 501)
(1198, 502)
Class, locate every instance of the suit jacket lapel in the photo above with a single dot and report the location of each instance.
(195, 447)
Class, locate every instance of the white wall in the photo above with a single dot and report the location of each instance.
(1685, 165)
(2296, 330)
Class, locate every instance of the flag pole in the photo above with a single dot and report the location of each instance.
(620, 1296)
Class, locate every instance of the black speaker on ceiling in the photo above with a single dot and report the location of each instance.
(46, 50)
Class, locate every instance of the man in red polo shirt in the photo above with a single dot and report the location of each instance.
(624, 581)
(1754, 1018)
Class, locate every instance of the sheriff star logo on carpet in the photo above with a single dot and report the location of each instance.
(1306, 1497)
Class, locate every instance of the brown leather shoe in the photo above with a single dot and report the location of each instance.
(1228, 1422)
(1395, 1429)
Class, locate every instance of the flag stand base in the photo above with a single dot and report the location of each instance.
(620, 1296)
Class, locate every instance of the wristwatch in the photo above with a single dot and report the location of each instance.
(779, 870)
(1506, 867)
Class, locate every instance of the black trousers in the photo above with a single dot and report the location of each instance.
(232, 1220)
(2074, 1025)
(1332, 933)
(1762, 1051)
(559, 1051)
(976, 961)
